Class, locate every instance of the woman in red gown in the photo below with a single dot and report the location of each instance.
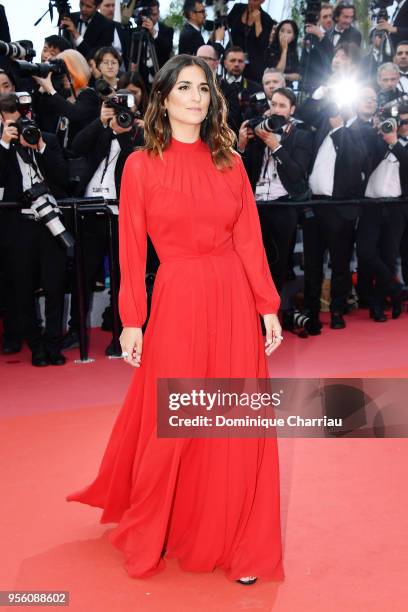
(207, 502)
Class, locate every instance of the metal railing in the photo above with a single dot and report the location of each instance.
(85, 206)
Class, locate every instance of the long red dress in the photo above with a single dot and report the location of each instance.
(207, 502)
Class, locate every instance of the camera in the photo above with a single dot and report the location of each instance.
(378, 9)
(273, 123)
(142, 9)
(310, 11)
(44, 207)
(389, 115)
(122, 102)
(254, 107)
(20, 50)
(63, 7)
(56, 66)
(26, 127)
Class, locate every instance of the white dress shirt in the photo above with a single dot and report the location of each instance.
(321, 180)
(385, 181)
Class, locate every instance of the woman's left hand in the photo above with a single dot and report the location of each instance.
(273, 337)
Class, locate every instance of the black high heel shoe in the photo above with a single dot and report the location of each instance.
(247, 580)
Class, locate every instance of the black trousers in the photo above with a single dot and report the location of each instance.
(327, 228)
(403, 247)
(95, 246)
(378, 238)
(278, 225)
(34, 253)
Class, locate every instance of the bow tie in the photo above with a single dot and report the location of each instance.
(403, 74)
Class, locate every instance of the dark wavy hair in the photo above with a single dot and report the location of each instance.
(293, 43)
(214, 129)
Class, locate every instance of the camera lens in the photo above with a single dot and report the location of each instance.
(124, 119)
(31, 134)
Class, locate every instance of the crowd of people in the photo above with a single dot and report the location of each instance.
(320, 116)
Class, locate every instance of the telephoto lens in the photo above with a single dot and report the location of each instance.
(23, 49)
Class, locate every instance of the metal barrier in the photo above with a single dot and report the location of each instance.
(80, 206)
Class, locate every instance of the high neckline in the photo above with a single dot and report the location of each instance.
(187, 147)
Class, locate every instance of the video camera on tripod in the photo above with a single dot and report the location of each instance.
(310, 11)
(64, 10)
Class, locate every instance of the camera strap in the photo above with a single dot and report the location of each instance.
(27, 155)
(108, 161)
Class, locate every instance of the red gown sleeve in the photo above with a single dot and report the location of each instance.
(247, 238)
(132, 243)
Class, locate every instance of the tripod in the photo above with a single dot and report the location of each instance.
(145, 49)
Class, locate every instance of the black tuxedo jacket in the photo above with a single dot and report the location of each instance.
(99, 33)
(401, 22)
(93, 142)
(51, 164)
(231, 92)
(125, 40)
(350, 155)
(50, 108)
(376, 150)
(4, 27)
(190, 39)
(351, 35)
(293, 160)
(164, 43)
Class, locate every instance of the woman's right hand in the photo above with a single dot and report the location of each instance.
(131, 342)
(283, 41)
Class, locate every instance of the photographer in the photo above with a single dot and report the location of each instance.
(66, 110)
(388, 76)
(152, 41)
(108, 61)
(381, 226)
(53, 45)
(250, 29)
(397, 27)
(277, 161)
(190, 36)
(4, 27)
(34, 233)
(313, 62)
(282, 53)
(337, 170)
(88, 30)
(7, 82)
(235, 86)
(105, 144)
(120, 35)
(401, 60)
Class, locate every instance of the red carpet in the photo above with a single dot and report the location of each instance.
(343, 501)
